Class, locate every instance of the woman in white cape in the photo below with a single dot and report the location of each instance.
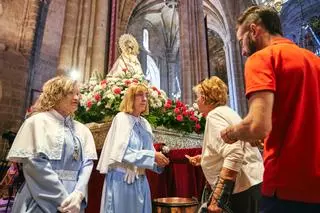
(56, 153)
(127, 152)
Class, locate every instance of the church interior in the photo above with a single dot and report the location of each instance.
(180, 43)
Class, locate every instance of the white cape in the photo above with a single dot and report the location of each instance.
(44, 133)
(117, 140)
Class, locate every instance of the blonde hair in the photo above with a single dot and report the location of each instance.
(127, 104)
(214, 91)
(53, 91)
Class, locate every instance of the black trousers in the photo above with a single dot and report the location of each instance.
(275, 205)
(243, 202)
(247, 201)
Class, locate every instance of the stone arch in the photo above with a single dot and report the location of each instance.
(148, 14)
(126, 8)
(214, 10)
(223, 21)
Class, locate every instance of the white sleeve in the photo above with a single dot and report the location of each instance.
(233, 154)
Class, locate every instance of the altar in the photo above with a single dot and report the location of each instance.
(179, 179)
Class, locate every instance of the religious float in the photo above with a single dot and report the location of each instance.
(175, 124)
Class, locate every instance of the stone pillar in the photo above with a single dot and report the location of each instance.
(101, 30)
(193, 53)
(67, 48)
(235, 76)
(84, 37)
(28, 28)
(173, 72)
(113, 52)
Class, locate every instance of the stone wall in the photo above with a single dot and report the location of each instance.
(13, 78)
(17, 23)
(45, 66)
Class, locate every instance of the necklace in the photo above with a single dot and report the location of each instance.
(76, 151)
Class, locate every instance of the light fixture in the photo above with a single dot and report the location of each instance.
(74, 74)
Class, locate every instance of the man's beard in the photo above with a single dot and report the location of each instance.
(252, 46)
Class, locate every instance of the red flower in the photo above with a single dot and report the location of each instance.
(135, 81)
(167, 105)
(198, 126)
(177, 110)
(103, 84)
(185, 113)
(169, 101)
(89, 104)
(97, 97)
(179, 118)
(117, 90)
(179, 104)
(127, 82)
(193, 118)
(124, 69)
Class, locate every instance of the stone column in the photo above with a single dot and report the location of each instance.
(173, 71)
(101, 30)
(67, 47)
(28, 28)
(84, 37)
(193, 53)
(235, 76)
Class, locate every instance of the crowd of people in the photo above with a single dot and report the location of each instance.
(282, 83)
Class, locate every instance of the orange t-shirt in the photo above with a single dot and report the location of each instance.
(292, 149)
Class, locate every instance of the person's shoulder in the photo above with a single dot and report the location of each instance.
(144, 120)
(121, 115)
(122, 118)
(222, 109)
(38, 117)
(223, 112)
(80, 125)
(261, 54)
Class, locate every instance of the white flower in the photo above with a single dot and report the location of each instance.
(137, 76)
(154, 94)
(110, 96)
(159, 104)
(108, 106)
(97, 88)
(195, 106)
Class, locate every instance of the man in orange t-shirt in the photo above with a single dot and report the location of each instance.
(283, 90)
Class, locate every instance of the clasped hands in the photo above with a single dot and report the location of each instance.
(72, 203)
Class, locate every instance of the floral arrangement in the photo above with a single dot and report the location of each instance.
(179, 116)
(100, 101)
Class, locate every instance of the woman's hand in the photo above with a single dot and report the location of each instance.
(161, 160)
(72, 204)
(195, 160)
